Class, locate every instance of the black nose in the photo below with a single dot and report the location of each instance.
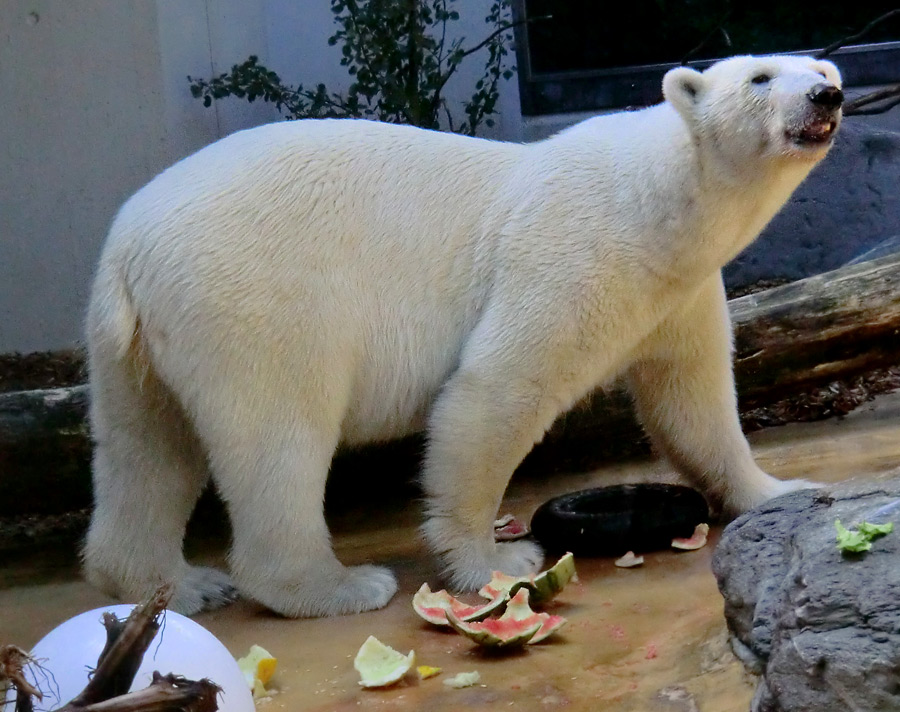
(826, 95)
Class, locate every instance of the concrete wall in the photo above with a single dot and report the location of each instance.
(96, 102)
(82, 125)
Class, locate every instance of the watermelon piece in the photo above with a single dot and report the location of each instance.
(432, 606)
(695, 541)
(501, 584)
(518, 609)
(517, 626)
(508, 528)
(629, 561)
(542, 587)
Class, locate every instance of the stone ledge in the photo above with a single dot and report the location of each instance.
(821, 628)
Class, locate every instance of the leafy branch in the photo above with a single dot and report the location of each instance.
(399, 57)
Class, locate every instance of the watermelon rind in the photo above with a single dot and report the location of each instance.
(517, 626)
(432, 606)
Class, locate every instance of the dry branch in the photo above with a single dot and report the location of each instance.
(856, 37)
(125, 646)
(107, 689)
(876, 102)
(13, 661)
(884, 99)
(167, 693)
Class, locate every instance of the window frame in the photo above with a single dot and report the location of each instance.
(581, 91)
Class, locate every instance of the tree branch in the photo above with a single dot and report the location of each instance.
(484, 43)
(500, 30)
(891, 97)
(167, 693)
(440, 47)
(12, 670)
(720, 27)
(834, 46)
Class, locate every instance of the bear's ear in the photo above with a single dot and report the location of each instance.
(681, 88)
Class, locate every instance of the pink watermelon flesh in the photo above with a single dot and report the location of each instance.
(433, 607)
(517, 626)
(502, 584)
(497, 632)
(695, 541)
(551, 624)
(510, 530)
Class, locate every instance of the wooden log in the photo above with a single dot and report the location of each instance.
(787, 339)
(834, 325)
(45, 451)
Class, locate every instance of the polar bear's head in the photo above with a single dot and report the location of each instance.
(760, 107)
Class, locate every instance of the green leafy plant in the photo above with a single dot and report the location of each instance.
(861, 539)
(401, 59)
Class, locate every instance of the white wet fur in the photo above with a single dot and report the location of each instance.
(312, 283)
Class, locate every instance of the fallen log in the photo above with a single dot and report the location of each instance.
(819, 329)
(787, 339)
(45, 451)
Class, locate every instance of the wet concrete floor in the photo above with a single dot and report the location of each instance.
(638, 640)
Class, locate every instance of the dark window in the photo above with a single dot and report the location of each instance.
(595, 54)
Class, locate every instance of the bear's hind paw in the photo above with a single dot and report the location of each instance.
(202, 589)
(328, 591)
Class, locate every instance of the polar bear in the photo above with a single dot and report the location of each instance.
(304, 285)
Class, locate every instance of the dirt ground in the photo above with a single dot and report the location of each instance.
(652, 638)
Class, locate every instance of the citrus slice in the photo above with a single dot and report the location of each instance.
(379, 665)
(258, 667)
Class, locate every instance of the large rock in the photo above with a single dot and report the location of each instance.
(821, 628)
(847, 206)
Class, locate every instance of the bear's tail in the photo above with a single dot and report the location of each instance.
(113, 324)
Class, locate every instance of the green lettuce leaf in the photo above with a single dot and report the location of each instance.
(874, 530)
(851, 541)
(861, 539)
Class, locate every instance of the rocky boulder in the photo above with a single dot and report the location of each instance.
(820, 627)
(849, 205)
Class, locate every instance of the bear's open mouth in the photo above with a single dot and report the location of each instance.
(814, 133)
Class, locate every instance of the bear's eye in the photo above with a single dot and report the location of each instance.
(761, 79)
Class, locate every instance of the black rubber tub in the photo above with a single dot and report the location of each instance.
(608, 521)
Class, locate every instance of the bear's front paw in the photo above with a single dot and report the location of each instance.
(766, 487)
(517, 558)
